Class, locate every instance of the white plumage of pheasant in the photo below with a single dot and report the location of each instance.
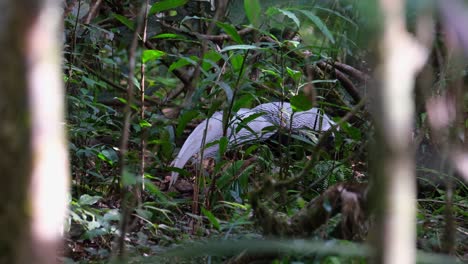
(278, 114)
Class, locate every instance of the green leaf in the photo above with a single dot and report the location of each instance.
(295, 75)
(168, 36)
(87, 199)
(108, 155)
(181, 63)
(165, 5)
(237, 60)
(227, 89)
(122, 100)
(210, 59)
(300, 102)
(90, 83)
(144, 123)
(127, 22)
(246, 120)
(112, 215)
(320, 25)
(156, 192)
(229, 174)
(244, 101)
(301, 203)
(253, 11)
(145, 214)
(184, 119)
(271, 72)
(338, 15)
(128, 178)
(152, 55)
(291, 15)
(239, 47)
(223, 143)
(211, 218)
(353, 132)
(231, 31)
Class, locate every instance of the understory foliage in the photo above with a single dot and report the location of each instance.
(193, 59)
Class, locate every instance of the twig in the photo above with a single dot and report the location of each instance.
(144, 131)
(328, 133)
(103, 78)
(127, 201)
(114, 85)
(220, 37)
(441, 202)
(69, 5)
(73, 44)
(351, 71)
(92, 11)
(394, 188)
(190, 89)
(344, 80)
(183, 76)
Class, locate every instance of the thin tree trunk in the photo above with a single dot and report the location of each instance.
(401, 58)
(15, 144)
(33, 156)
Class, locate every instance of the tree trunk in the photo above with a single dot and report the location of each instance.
(395, 185)
(33, 156)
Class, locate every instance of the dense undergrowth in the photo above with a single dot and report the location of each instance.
(298, 52)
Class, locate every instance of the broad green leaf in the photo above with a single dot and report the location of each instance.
(165, 5)
(214, 107)
(144, 123)
(223, 143)
(338, 15)
(234, 205)
(301, 203)
(239, 47)
(300, 103)
(156, 192)
(184, 119)
(253, 11)
(108, 155)
(237, 60)
(127, 22)
(210, 59)
(353, 132)
(168, 36)
(291, 15)
(90, 83)
(152, 55)
(157, 142)
(244, 101)
(181, 63)
(128, 178)
(271, 72)
(87, 199)
(179, 170)
(165, 212)
(145, 214)
(227, 89)
(320, 25)
(245, 122)
(251, 149)
(229, 174)
(231, 31)
(211, 218)
(295, 75)
(112, 215)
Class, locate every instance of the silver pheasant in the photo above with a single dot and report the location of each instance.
(277, 114)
